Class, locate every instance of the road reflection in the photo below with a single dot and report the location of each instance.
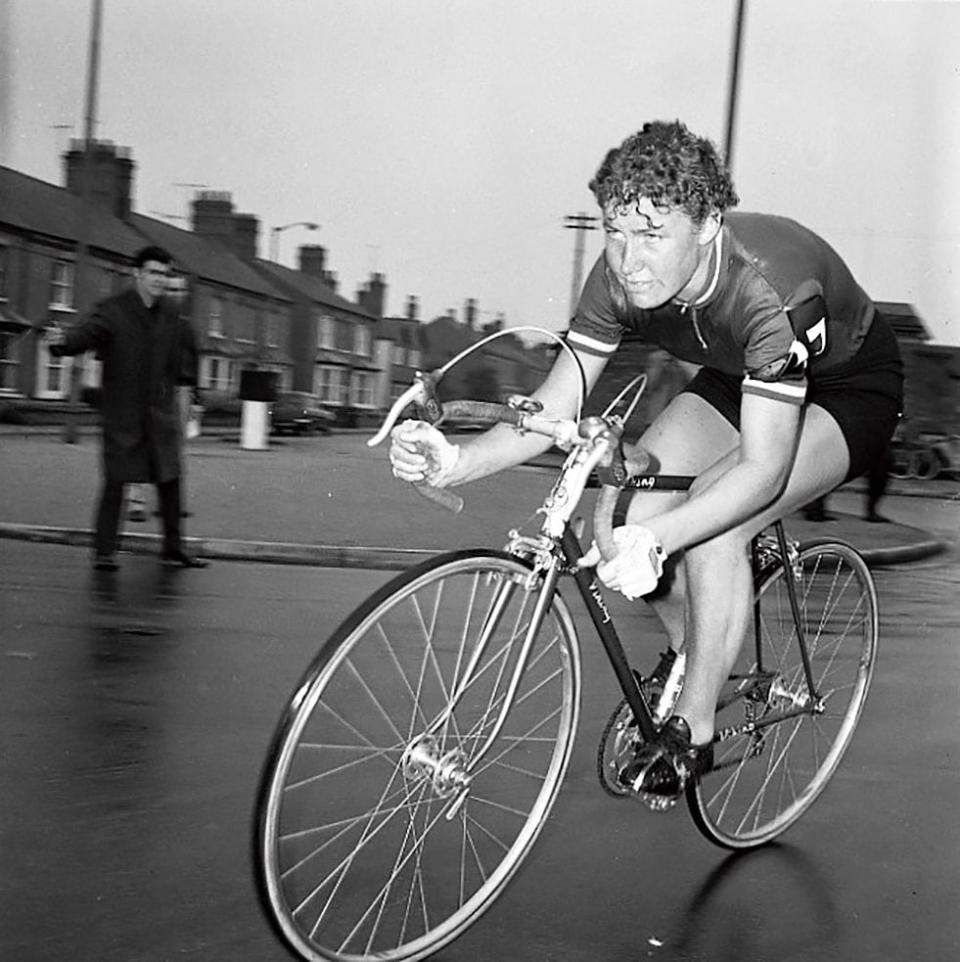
(119, 723)
(733, 916)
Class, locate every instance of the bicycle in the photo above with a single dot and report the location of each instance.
(421, 753)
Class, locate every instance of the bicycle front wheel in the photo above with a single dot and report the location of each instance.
(779, 740)
(391, 811)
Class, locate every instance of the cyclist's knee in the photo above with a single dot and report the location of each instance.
(725, 548)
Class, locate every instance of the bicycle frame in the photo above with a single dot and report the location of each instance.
(570, 551)
(558, 551)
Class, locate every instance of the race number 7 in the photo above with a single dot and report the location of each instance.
(816, 336)
(808, 318)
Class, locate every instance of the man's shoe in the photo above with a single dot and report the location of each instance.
(667, 765)
(876, 518)
(105, 562)
(180, 559)
(653, 684)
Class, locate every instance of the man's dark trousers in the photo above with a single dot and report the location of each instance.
(111, 504)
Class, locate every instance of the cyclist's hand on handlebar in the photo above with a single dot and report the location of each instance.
(637, 566)
(419, 452)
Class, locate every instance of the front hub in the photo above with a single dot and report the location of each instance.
(425, 760)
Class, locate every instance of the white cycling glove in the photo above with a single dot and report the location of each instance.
(637, 566)
(419, 452)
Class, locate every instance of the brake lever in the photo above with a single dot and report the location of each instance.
(427, 404)
(422, 394)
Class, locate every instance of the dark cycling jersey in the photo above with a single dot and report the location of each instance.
(782, 307)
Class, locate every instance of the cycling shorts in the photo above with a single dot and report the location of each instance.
(864, 395)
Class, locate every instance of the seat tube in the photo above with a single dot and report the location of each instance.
(795, 607)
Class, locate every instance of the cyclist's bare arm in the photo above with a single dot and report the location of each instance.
(738, 487)
(502, 447)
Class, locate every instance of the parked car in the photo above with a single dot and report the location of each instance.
(295, 412)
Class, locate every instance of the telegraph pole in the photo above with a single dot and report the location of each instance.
(80, 284)
(579, 222)
(734, 83)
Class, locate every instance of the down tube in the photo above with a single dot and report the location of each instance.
(590, 591)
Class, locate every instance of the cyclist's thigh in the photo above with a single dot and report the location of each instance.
(687, 437)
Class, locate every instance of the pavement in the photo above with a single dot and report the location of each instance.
(330, 501)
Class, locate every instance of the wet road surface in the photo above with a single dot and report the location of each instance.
(135, 710)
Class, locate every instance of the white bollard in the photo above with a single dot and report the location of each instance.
(255, 425)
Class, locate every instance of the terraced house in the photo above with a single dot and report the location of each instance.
(242, 321)
(249, 314)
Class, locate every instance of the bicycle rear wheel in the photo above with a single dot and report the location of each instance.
(383, 829)
(768, 772)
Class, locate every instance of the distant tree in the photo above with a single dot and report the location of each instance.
(482, 384)
(474, 380)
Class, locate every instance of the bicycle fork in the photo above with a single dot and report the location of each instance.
(450, 772)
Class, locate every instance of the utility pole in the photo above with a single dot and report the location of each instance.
(80, 282)
(579, 222)
(734, 83)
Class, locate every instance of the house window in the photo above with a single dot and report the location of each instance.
(61, 286)
(326, 336)
(4, 271)
(330, 385)
(9, 360)
(215, 318)
(55, 378)
(413, 357)
(215, 373)
(246, 321)
(273, 330)
(399, 354)
(361, 340)
(363, 390)
(53, 373)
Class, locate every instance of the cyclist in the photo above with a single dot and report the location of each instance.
(799, 389)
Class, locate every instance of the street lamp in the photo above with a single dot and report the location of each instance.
(276, 231)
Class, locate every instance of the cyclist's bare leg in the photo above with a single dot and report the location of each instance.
(719, 609)
(686, 438)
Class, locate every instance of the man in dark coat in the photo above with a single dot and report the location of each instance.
(188, 395)
(140, 339)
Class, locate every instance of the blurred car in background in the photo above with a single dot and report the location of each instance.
(296, 412)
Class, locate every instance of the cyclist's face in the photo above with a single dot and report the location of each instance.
(657, 255)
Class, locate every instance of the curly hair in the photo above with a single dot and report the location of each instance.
(671, 167)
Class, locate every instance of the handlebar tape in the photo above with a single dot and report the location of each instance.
(442, 496)
(636, 461)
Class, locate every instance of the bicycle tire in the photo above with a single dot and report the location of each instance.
(765, 778)
(344, 773)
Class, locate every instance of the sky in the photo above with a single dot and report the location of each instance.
(443, 143)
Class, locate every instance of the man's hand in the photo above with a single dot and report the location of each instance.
(56, 339)
(419, 452)
(637, 566)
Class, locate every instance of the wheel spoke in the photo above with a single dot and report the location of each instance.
(770, 773)
(384, 833)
